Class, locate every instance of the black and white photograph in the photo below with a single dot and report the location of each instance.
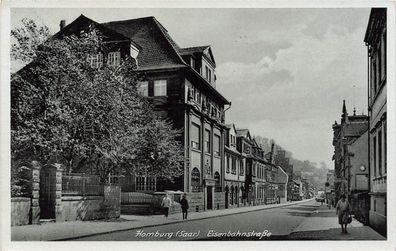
(176, 123)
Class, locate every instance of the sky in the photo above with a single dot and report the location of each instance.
(286, 71)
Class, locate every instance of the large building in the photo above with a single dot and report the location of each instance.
(181, 83)
(375, 40)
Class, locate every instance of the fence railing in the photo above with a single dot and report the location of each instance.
(129, 198)
(80, 184)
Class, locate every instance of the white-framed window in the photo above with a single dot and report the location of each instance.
(96, 61)
(143, 88)
(160, 88)
(216, 145)
(195, 136)
(207, 141)
(114, 58)
(145, 183)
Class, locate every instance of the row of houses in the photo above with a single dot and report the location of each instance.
(360, 141)
(223, 165)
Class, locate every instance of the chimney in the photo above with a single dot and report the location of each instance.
(62, 24)
(272, 153)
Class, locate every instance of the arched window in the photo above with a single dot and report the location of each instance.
(218, 183)
(232, 195)
(195, 180)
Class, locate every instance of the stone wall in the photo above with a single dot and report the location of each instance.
(80, 208)
(219, 200)
(196, 202)
(108, 206)
(20, 211)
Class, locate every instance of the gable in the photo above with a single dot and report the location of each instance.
(82, 23)
(158, 50)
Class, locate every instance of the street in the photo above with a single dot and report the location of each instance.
(270, 224)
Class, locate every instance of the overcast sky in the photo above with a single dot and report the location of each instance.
(286, 71)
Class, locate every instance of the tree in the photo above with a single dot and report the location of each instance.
(65, 110)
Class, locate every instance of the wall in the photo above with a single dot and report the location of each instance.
(74, 208)
(219, 200)
(20, 211)
(359, 149)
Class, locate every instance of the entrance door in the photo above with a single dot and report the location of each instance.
(209, 202)
(47, 192)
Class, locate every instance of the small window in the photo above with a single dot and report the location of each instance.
(114, 58)
(241, 168)
(160, 88)
(207, 141)
(228, 164)
(195, 180)
(143, 88)
(233, 167)
(96, 61)
(218, 183)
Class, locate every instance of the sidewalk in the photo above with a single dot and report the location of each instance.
(323, 225)
(76, 229)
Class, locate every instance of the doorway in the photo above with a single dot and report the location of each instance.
(47, 199)
(209, 202)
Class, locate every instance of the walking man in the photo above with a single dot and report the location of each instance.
(166, 203)
(184, 206)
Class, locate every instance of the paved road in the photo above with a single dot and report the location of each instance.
(269, 224)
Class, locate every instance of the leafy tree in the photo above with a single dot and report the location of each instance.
(65, 110)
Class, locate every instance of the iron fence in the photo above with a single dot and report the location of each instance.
(80, 184)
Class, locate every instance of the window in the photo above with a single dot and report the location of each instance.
(228, 163)
(114, 58)
(160, 88)
(144, 183)
(380, 153)
(218, 183)
(207, 141)
(375, 156)
(195, 136)
(96, 61)
(246, 148)
(143, 88)
(195, 180)
(241, 169)
(233, 167)
(216, 145)
(385, 147)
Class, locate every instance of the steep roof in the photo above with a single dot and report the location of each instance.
(158, 48)
(190, 50)
(243, 133)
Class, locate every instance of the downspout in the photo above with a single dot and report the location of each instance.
(369, 116)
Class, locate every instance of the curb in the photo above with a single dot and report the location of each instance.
(178, 221)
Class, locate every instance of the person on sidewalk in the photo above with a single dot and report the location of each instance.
(343, 210)
(166, 203)
(184, 206)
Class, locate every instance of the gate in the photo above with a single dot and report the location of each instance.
(47, 192)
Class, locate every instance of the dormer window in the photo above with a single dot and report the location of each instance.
(134, 53)
(208, 73)
(114, 58)
(96, 61)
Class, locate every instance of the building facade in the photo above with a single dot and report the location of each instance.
(234, 179)
(181, 84)
(375, 40)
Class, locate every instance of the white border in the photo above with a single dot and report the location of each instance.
(279, 245)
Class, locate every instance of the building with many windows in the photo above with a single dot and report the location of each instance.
(181, 83)
(375, 39)
(234, 178)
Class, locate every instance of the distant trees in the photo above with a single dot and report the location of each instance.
(65, 110)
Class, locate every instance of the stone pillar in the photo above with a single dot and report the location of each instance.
(58, 193)
(35, 217)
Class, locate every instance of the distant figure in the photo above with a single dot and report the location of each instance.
(343, 210)
(166, 203)
(184, 206)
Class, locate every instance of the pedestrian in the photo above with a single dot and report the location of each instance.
(184, 206)
(166, 203)
(343, 210)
